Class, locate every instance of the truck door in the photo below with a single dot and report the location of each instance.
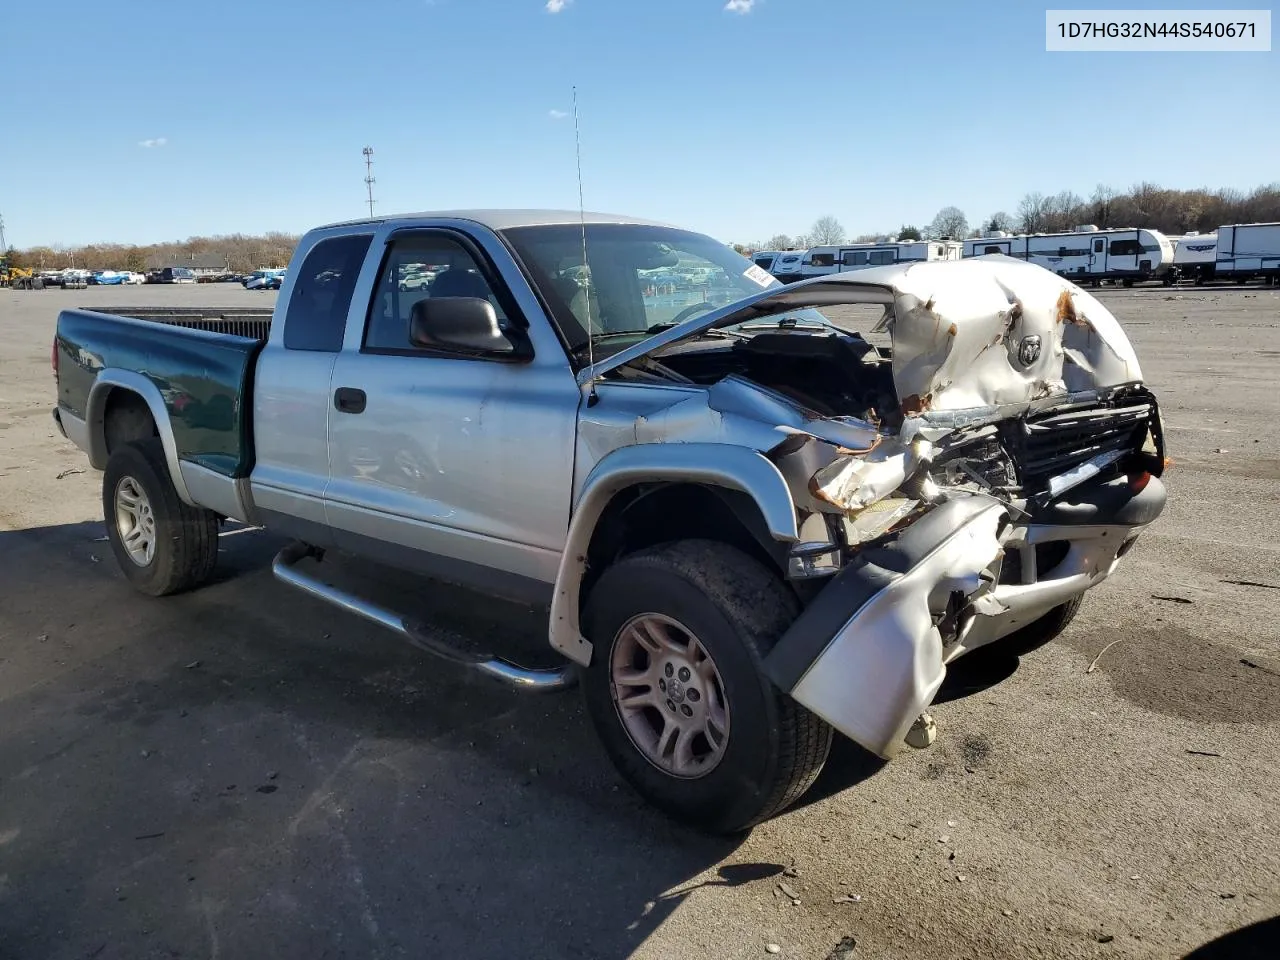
(456, 465)
(291, 406)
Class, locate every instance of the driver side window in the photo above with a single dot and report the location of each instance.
(417, 268)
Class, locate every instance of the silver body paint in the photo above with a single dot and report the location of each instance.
(506, 469)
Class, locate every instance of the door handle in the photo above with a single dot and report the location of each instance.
(349, 400)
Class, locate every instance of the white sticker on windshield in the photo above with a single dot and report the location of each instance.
(759, 275)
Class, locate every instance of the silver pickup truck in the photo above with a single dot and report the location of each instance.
(750, 527)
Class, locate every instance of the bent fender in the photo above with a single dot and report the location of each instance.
(866, 656)
(710, 464)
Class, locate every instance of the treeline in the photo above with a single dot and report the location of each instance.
(1143, 205)
(236, 252)
(1151, 206)
(1173, 212)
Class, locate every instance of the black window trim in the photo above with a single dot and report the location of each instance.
(367, 237)
(516, 319)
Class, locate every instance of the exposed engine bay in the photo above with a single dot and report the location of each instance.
(829, 372)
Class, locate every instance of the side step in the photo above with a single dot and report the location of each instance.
(284, 567)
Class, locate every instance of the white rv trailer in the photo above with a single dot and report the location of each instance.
(1194, 256)
(786, 265)
(1248, 251)
(844, 257)
(1086, 253)
(764, 258)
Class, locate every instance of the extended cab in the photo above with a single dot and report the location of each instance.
(750, 527)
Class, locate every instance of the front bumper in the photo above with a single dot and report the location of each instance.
(869, 654)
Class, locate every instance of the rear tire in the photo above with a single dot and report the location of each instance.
(162, 545)
(721, 602)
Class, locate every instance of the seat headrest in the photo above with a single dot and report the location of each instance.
(457, 282)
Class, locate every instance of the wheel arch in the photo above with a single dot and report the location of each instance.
(743, 481)
(111, 384)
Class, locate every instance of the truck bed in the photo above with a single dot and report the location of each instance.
(251, 322)
(198, 363)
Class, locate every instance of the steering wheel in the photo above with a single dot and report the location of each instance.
(690, 310)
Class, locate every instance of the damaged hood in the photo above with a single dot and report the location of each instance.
(983, 332)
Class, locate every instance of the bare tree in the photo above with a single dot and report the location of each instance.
(826, 230)
(779, 241)
(1031, 210)
(949, 224)
(1063, 211)
(1101, 201)
(998, 222)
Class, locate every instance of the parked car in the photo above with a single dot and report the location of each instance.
(108, 278)
(750, 529)
(171, 275)
(264, 280)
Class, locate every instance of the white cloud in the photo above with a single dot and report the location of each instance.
(737, 6)
(557, 114)
(555, 6)
(153, 142)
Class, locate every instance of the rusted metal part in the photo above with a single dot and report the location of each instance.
(1066, 308)
(915, 404)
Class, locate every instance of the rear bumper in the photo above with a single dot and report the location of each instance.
(72, 427)
(869, 654)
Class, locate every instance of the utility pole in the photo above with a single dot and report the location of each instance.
(3, 246)
(369, 181)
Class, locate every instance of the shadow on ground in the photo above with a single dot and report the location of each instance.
(241, 771)
(1257, 941)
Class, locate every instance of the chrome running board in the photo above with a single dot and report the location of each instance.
(284, 567)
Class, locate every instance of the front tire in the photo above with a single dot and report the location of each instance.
(677, 692)
(1040, 631)
(161, 544)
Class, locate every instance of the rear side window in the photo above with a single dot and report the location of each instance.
(317, 314)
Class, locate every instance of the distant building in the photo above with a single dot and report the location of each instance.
(201, 264)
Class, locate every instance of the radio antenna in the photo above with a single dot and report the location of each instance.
(592, 398)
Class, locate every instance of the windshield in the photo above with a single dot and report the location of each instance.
(637, 278)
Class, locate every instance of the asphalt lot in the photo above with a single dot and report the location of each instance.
(242, 772)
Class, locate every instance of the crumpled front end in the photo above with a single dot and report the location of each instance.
(992, 466)
(867, 654)
(1024, 465)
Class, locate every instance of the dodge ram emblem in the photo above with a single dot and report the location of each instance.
(1029, 350)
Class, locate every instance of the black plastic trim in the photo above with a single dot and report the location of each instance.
(1108, 503)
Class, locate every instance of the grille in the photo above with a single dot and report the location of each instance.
(1043, 447)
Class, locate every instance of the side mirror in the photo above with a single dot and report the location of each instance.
(458, 323)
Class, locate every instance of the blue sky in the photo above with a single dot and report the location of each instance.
(144, 122)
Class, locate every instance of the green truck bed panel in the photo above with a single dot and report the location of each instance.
(204, 377)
